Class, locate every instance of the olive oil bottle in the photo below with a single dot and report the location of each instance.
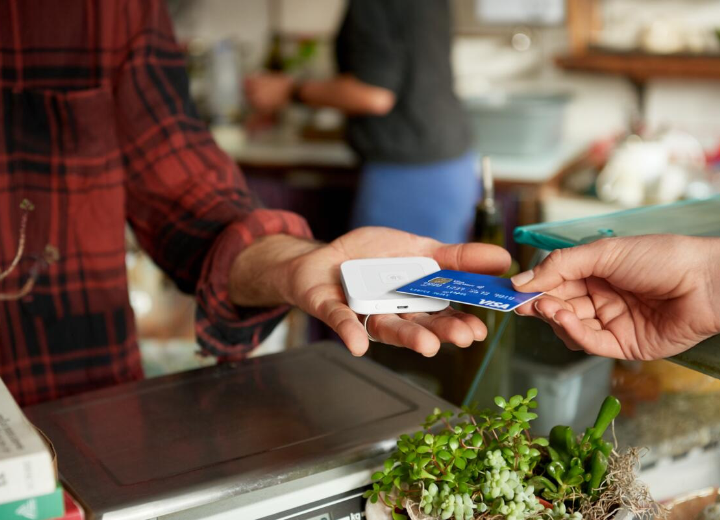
(489, 225)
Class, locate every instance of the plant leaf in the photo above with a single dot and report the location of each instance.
(525, 416)
(426, 474)
(444, 455)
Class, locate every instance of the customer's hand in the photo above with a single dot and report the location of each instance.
(310, 279)
(270, 92)
(645, 297)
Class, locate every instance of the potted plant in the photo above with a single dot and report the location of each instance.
(484, 465)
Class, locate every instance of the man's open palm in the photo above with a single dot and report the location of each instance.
(317, 289)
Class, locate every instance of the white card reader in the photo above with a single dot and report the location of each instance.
(370, 284)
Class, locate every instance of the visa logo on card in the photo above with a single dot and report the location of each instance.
(481, 290)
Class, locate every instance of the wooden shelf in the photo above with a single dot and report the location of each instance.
(642, 67)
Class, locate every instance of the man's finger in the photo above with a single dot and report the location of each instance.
(394, 330)
(447, 326)
(478, 327)
(475, 258)
(345, 323)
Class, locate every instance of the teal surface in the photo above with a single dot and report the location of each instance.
(693, 217)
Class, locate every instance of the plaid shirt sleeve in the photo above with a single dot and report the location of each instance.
(186, 200)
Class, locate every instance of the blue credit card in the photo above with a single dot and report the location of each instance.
(482, 290)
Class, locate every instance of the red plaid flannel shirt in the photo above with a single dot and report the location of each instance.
(96, 129)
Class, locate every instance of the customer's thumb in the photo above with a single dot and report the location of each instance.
(562, 265)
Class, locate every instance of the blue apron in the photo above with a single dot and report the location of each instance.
(436, 200)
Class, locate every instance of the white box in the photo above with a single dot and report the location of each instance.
(26, 465)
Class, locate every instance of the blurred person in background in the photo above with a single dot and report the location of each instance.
(97, 129)
(646, 297)
(395, 84)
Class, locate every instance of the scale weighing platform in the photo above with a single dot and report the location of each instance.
(295, 435)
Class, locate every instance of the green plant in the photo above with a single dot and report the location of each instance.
(578, 468)
(484, 463)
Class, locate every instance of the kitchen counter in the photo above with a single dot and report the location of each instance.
(538, 169)
(278, 148)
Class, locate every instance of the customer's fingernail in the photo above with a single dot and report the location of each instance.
(537, 308)
(522, 278)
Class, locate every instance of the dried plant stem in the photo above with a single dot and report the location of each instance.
(624, 491)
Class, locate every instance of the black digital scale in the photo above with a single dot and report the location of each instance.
(294, 435)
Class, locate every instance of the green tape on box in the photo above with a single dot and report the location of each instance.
(44, 507)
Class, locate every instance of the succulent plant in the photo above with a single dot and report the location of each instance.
(484, 463)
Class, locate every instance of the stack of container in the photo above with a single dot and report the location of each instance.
(29, 487)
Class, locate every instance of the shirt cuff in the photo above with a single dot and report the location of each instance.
(225, 329)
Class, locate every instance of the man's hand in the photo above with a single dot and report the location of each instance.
(645, 297)
(269, 93)
(285, 269)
